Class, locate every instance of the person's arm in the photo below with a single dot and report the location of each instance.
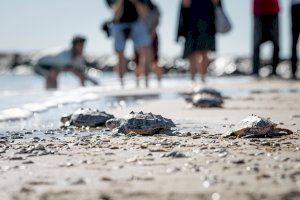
(81, 75)
(92, 64)
(155, 25)
(118, 8)
(141, 8)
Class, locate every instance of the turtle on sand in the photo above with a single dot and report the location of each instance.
(255, 126)
(205, 98)
(86, 118)
(140, 123)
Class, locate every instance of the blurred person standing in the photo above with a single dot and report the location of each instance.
(151, 17)
(266, 28)
(197, 26)
(295, 12)
(127, 25)
(50, 63)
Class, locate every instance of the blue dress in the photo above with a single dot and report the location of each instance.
(201, 28)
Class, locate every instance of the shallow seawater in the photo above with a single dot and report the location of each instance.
(50, 118)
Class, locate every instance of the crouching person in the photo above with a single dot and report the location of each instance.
(50, 63)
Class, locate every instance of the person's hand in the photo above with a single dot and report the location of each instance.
(186, 3)
(215, 1)
(118, 8)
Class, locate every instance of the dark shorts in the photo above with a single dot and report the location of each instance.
(43, 70)
(136, 31)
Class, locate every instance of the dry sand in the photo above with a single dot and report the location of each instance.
(108, 167)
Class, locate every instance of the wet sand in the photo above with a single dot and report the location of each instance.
(192, 163)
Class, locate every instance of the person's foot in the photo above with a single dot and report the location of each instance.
(254, 74)
(146, 82)
(294, 77)
(193, 79)
(159, 83)
(122, 82)
(274, 73)
(203, 79)
(137, 83)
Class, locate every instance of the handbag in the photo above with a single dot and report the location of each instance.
(223, 24)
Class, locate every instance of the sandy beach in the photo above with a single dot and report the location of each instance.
(194, 162)
(150, 100)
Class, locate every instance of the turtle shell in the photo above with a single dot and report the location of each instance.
(89, 118)
(209, 91)
(256, 122)
(254, 125)
(146, 123)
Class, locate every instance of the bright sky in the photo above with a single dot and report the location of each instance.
(33, 25)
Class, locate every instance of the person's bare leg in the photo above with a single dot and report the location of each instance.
(154, 64)
(51, 82)
(82, 81)
(157, 71)
(144, 56)
(137, 74)
(121, 67)
(138, 70)
(80, 76)
(203, 64)
(193, 66)
(147, 65)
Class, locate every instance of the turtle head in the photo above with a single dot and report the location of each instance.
(65, 118)
(228, 134)
(113, 123)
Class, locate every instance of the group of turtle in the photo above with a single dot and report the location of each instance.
(149, 124)
(134, 122)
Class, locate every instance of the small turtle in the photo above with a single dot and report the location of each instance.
(255, 126)
(140, 123)
(205, 97)
(86, 117)
(206, 101)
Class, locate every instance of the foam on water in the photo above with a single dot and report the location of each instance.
(35, 107)
(14, 114)
(27, 110)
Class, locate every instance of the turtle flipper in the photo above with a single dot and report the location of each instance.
(287, 131)
(121, 129)
(228, 134)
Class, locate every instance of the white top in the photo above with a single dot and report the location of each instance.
(295, 2)
(59, 58)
